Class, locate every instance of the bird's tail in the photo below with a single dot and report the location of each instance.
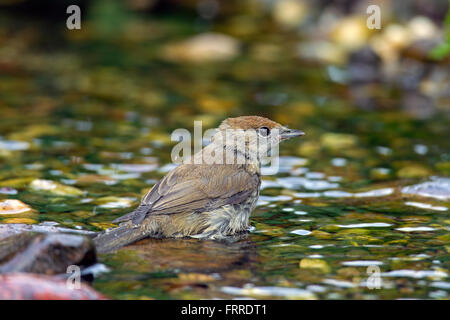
(116, 238)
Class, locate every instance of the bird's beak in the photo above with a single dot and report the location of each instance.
(287, 133)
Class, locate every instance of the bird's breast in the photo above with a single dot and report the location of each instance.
(230, 219)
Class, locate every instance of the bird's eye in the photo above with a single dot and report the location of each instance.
(264, 131)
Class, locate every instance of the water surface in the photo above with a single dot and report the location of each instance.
(95, 112)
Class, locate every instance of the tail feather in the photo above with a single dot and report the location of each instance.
(136, 216)
(113, 239)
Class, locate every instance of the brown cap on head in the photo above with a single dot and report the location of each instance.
(249, 122)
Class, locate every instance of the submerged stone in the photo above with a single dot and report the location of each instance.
(205, 47)
(7, 230)
(308, 148)
(321, 51)
(16, 182)
(321, 234)
(33, 131)
(115, 202)
(20, 220)
(316, 264)
(287, 293)
(11, 145)
(338, 141)
(55, 188)
(8, 191)
(13, 206)
(290, 13)
(415, 171)
(351, 32)
(88, 179)
(20, 286)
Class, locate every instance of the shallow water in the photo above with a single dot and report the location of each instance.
(96, 114)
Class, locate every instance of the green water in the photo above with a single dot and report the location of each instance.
(95, 110)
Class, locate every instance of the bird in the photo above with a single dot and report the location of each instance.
(210, 195)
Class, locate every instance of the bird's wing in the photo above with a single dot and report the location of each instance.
(196, 188)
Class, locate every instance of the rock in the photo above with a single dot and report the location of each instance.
(115, 202)
(438, 188)
(20, 220)
(413, 171)
(103, 225)
(338, 141)
(415, 40)
(316, 264)
(290, 13)
(13, 206)
(410, 75)
(348, 272)
(8, 191)
(264, 292)
(388, 44)
(420, 50)
(380, 173)
(32, 132)
(437, 86)
(88, 179)
(55, 188)
(443, 167)
(351, 32)
(321, 51)
(16, 182)
(7, 230)
(422, 28)
(45, 253)
(11, 145)
(397, 36)
(207, 47)
(418, 105)
(321, 234)
(195, 277)
(353, 231)
(20, 286)
(266, 52)
(5, 153)
(210, 104)
(154, 255)
(364, 66)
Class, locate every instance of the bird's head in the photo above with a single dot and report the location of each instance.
(253, 134)
(261, 126)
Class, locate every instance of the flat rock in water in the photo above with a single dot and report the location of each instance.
(193, 255)
(438, 188)
(7, 230)
(45, 253)
(21, 286)
(13, 206)
(206, 47)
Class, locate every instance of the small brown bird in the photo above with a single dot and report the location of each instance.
(208, 196)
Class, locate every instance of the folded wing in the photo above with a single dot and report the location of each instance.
(196, 189)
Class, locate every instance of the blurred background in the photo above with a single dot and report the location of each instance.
(86, 117)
